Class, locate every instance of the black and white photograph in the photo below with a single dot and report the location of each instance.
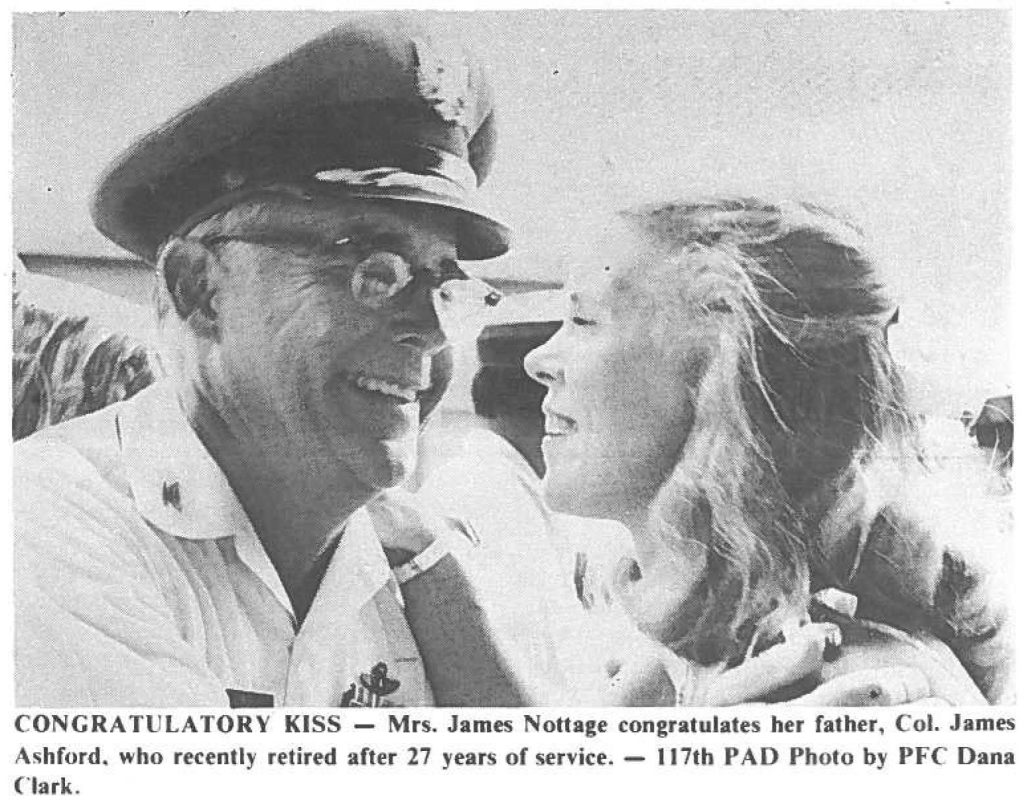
(535, 358)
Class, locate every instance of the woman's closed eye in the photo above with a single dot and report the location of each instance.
(579, 311)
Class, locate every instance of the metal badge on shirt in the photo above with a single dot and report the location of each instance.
(373, 688)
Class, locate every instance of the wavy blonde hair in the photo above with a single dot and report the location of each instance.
(797, 394)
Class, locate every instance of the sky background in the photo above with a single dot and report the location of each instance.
(901, 119)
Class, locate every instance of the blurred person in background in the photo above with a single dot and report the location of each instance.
(722, 386)
(993, 430)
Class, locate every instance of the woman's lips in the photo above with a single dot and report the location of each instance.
(558, 425)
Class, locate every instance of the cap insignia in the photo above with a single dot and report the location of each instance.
(232, 180)
(443, 81)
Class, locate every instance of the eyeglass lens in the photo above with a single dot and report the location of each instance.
(463, 305)
(380, 277)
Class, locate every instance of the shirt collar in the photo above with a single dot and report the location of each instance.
(357, 571)
(177, 485)
(180, 489)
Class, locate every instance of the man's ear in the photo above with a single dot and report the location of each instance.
(190, 272)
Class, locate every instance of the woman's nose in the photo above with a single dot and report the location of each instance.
(543, 363)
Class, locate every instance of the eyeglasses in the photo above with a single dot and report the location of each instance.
(462, 303)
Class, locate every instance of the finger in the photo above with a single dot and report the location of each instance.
(403, 521)
(888, 686)
(389, 512)
(778, 667)
(644, 682)
(394, 499)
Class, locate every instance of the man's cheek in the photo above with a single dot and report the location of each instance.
(441, 368)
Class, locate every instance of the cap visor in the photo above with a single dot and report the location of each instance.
(480, 236)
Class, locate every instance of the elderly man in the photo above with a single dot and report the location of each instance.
(207, 542)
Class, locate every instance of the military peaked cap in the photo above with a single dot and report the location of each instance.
(373, 108)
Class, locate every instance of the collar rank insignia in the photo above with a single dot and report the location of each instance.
(443, 81)
(172, 494)
(374, 686)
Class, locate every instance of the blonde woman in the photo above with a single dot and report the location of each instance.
(722, 385)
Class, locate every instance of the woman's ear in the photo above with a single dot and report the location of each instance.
(189, 269)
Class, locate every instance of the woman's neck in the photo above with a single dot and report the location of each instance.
(649, 547)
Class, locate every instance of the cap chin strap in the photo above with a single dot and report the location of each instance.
(443, 167)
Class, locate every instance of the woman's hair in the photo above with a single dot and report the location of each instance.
(797, 392)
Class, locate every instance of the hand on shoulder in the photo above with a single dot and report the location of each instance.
(407, 525)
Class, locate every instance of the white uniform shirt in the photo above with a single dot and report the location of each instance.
(139, 581)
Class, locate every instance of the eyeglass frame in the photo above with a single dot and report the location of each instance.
(491, 297)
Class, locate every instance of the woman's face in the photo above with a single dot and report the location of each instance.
(619, 374)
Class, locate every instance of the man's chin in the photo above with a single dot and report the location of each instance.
(378, 442)
(393, 475)
(383, 464)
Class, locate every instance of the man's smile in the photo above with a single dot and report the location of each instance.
(396, 389)
(399, 374)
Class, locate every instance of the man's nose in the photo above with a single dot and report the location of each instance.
(543, 363)
(417, 322)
